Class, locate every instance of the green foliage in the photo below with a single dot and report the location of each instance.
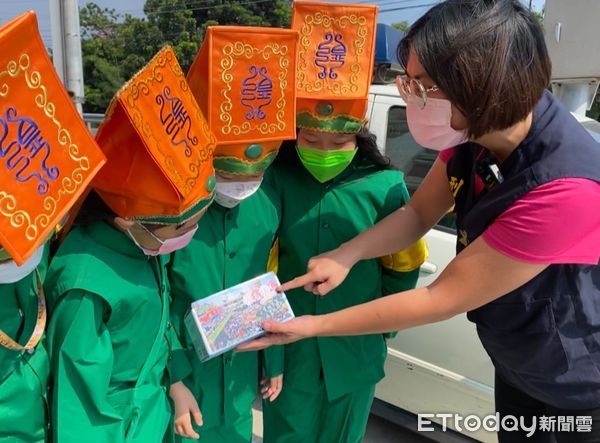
(540, 16)
(116, 46)
(595, 111)
(402, 26)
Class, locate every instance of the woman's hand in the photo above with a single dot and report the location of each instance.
(283, 333)
(396, 232)
(325, 272)
(185, 408)
(270, 387)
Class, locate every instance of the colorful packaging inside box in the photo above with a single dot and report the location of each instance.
(224, 320)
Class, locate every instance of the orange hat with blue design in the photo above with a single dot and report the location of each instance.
(159, 147)
(335, 64)
(47, 155)
(244, 80)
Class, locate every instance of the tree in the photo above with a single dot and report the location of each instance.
(116, 46)
(178, 27)
(102, 72)
(275, 13)
(594, 112)
(402, 26)
(539, 16)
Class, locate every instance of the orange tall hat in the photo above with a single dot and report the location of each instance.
(335, 64)
(159, 147)
(244, 81)
(47, 155)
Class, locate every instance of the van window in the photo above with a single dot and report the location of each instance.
(409, 157)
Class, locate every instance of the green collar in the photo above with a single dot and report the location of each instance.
(176, 219)
(222, 210)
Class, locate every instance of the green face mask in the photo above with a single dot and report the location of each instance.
(325, 165)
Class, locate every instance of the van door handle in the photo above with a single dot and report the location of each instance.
(428, 268)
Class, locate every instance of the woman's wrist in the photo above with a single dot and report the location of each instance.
(352, 253)
(317, 326)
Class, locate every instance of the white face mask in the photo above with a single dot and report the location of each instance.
(430, 126)
(231, 194)
(10, 272)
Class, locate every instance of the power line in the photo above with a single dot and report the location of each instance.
(402, 8)
(116, 25)
(209, 4)
(185, 5)
(202, 5)
(191, 6)
(248, 3)
(182, 8)
(381, 2)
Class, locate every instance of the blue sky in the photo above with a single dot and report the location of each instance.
(400, 10)
(12, 8)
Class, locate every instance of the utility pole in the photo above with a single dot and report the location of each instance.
(66, 47)
(530, 2)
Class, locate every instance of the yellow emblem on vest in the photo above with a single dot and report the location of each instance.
(455, 185)
(463, 239)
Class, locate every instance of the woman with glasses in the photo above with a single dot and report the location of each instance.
(523, 177)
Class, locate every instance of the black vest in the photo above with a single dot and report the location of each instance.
(544, 337)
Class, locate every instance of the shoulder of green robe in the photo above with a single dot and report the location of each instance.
(383, 176)
(83, 263)
(394, 189)
(265, 203)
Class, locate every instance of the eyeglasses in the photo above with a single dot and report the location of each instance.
(412, 89)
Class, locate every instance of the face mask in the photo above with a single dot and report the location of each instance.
(325, 165)
(430, 126)
(10, 272)
(166, 246)
(231, 194)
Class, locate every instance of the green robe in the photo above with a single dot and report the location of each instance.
(335, 375)
(109, 340)
(23, 374)
(230, 246)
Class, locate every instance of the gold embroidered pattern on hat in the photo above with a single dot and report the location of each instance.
(240, 49)
(9, 206)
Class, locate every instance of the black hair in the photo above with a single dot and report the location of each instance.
(93, 210)
(488, 56)
(367, 150)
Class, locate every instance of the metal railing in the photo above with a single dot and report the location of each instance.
(93, 121)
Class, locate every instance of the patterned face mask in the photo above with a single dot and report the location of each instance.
(231, 194)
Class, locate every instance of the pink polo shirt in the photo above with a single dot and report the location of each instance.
(557, 222)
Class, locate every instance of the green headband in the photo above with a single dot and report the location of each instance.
(234, 165)
(180, 218)
(343, 124)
